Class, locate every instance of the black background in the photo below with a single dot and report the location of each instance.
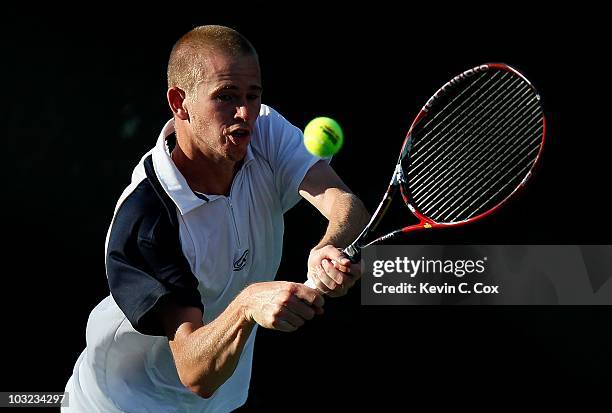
(83, 99)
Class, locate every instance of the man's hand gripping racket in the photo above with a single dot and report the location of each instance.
(471, 147)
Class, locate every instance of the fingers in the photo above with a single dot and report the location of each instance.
(286, 320)
(330, 266)
(298, 306)
(310, 296)
(331, 279)
(337, 257)
(284, 326)
(335, 272)
(282, 306)
(331, 271)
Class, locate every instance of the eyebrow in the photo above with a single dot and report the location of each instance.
(234, 87)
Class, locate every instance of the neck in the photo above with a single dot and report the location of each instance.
(203, 174)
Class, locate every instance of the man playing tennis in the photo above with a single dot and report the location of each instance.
(196, 240)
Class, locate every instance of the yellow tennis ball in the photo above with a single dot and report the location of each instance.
(323, 137)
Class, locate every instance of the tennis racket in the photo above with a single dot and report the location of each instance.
(472, 146)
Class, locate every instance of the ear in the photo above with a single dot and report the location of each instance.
(176, 100)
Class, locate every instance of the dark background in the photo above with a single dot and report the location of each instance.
(84, 98)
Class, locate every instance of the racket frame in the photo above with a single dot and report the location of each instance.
(353, 251)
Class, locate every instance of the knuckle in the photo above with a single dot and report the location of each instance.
(285, 297)
(277, 310)
(291, 289)
(308, 299)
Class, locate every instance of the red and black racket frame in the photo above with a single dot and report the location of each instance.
(398, 181)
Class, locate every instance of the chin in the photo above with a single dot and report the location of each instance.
(236, 154)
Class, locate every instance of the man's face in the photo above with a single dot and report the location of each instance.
(226, 105)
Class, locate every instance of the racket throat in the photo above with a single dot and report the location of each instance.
(353, 253)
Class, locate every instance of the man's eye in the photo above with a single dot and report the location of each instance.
(253, 97)
(224, 98)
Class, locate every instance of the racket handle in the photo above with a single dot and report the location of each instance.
(352, 252)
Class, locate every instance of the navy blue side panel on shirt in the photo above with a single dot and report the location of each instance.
(145, 264)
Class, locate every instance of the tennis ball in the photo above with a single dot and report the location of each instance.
(323, 137)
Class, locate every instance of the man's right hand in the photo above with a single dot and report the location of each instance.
(281, 305)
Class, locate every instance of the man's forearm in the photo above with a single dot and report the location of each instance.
(209, 354)
(347, 219)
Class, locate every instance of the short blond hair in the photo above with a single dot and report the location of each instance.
(187, 63)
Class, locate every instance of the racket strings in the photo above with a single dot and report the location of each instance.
(465, 107)
(476, 149)
(473, 88)
(470, 152)
(466, 187)
(459, 190)
(502, 185)
(453, 212)
(444, 145)
(463, 149)
(486, 175)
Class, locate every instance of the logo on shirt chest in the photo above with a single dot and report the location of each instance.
(241, 262)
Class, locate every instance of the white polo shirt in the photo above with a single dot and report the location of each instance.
(164, 242)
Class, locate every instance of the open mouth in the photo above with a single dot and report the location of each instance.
(238, 134)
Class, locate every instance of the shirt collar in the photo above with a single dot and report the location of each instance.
(173, 182)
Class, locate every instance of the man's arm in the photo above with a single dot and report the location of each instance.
(207, 355)
(347, 216)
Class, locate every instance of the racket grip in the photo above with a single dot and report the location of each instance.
(352, 252)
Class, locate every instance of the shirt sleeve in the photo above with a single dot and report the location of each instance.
(145, 264)
(288, 157)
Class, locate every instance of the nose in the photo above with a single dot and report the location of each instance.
(242, 113)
